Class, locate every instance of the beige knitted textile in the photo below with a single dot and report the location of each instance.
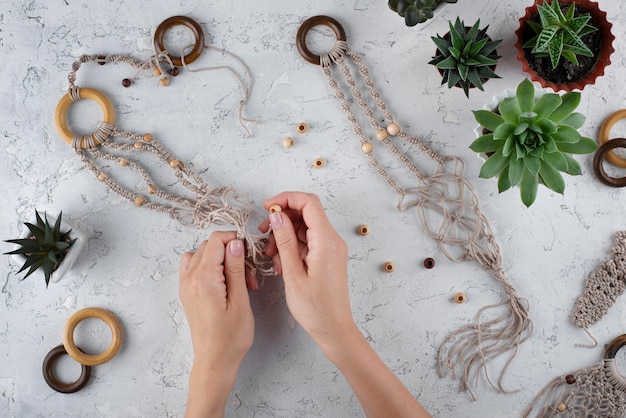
(448, 210)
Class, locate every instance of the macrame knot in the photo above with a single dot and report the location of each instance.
(335, 54)
(74, 92)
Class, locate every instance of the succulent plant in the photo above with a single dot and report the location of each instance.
(530, 141)
(559, 35)
(45, 248)
(465, 57)
(416, 11)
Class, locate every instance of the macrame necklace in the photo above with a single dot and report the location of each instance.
(602, 288)
(598, 391)
(448, 211)
(201, 206)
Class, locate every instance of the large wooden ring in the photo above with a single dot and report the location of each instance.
(60, 115)
(614, 346)
(78, 355)
(198, 33)
(603, 138)
(304, 29)
(51, 379)
(599, 157)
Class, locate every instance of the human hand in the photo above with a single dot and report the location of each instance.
(312, 259)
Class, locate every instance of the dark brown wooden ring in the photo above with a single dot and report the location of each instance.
(198, 33)
(304, 29)
(599, 157)
(614, 346)
(51, 379)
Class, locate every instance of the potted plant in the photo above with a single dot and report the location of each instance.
(530, 139)
(48, 244)
(564, 45)
(466, 57)
(416, 11)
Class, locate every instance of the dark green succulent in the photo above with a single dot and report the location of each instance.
(465, 56)
(559, 35)
(530, 141)
(45, 248)
(416, 11)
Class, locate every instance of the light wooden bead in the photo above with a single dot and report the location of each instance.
(140, 200)
(382, 134)
(363, 230)
(318, 163)
(367, 147)
(176, 164)
(152, 188)
(123, 162)
(389, 267)
(288, 142)
(460, 298)
(393, 129)
(275, 208)
(156, 71)
(102, 176)
(302, 127)
(562, 407)
(138, 145)
(164, 82)
(147, 137)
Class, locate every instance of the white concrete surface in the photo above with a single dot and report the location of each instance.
(130, 265)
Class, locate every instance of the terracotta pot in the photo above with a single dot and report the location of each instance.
(603, 59)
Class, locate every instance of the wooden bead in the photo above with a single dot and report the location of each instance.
(156, 71)
(302, 127)
(176, 164)
(389, 267)
(382, 134)
(570, 379)
(126, 82)
(140, 200)
(102, 176)
(164, 82)
(174, 71)
(138, 145)
(288, 142)
(460, 298)
(393, 129)
(562, 407)
(123, 162)
(318, 163)
(152, 188)
(429, 262)
(367, 147)
(275, 208)
(363, 230)
(147, 137)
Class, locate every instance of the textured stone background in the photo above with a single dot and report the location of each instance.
(130, 265)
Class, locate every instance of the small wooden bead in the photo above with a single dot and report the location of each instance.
(393, 129)
(152, 188)
(363, 230)
(156, 71)
(460, 298)
(147, 137)
(176, 164)
(562, 407)
(382, 134)
(302, 127)
(570, 379)
(429, 262)
(164, 82)
(101, 60)
(174, 71)
(102, 176)
(288, 142)
(138, 145)
(389, 267)
(275, 208)
(140, 200)
(367, 147)
(123, 162)
(126, 82)
(318, 163)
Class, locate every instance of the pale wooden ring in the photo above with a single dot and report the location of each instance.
(96, 359)
(603, 138)
(60, 114)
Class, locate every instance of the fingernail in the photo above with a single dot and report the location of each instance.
(236, 248)
(276, 220)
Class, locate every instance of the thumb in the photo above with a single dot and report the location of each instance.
(234, 270)
(287, 244)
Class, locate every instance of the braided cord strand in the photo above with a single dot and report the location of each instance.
(448, 210)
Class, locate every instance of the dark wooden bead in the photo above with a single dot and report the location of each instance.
(101, 59)
(126, 82)
(570, 379)
(174, 71)
(429, 263)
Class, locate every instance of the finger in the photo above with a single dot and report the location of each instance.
(308, 204)
(184, 263)
(252, 283)
(235, 271)
(287, 244)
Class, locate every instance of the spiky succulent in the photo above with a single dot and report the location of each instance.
(44, 248)
(559, 35)
(531, 140)
(465, 56)
(416, 11)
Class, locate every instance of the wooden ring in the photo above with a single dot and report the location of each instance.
(304, 29)
(167, 24)
(614, 346)
(599, 157)
(603, 137)
(51, 379)
(79, 356)
(60, 114)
